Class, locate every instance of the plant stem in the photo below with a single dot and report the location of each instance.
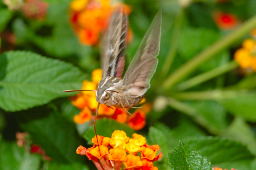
(207, 95)
(208, 53)
(174, 42)
(207, 76)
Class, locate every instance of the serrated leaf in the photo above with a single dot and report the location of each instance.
(14, 157)
(56, 135)
(105, 127)
(184, 158)
(223, 153)
(28, 79)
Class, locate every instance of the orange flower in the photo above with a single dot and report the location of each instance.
(87, 103)
(90, 17)
(119, 151)
(83, 116)
(117, 154)
(225, 21)
(106, 110)
(133, 161)
(246, 55)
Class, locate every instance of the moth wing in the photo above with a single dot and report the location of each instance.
(113, 45)
(142, 67)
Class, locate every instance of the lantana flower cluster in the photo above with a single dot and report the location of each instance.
(90, 17)
(86, 102)
(246, 55)
(120, 152)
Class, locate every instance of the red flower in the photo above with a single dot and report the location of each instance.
(225, 21)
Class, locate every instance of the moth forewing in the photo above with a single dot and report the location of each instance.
(144, 63)
(113, 44)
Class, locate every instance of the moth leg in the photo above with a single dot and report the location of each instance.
(126, 109)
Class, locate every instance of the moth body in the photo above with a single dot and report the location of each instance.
(112, 92)
(127, 91)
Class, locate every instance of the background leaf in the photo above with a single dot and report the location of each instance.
(28, 80)
(56, 135)
(241, 103)
(5, 17)
(14, 157)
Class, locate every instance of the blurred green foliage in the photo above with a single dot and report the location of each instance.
(207, 125)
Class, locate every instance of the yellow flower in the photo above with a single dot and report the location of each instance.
(96, 75)
(78, 5)
(246, 55)
(118, 138)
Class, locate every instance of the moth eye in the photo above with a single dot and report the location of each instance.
(106, 96)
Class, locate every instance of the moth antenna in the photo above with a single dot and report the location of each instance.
(77, 90)
(94, 127)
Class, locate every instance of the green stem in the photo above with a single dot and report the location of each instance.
(207, 76)
(174, 43)
(207, 95)
(208, 53)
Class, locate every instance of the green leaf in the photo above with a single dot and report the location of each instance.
(193, 40)
(56, 135)
(212, 113)
(105, 127)
(183, 158)
(28, 79)
(240, 131)
(186, 129)
(241, 103)
(207, 113)
(14, 157)
(222, 152)
(5, 17)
